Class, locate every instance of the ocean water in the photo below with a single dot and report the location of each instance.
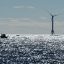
(32, 49)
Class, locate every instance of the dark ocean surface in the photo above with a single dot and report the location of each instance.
(32, 49)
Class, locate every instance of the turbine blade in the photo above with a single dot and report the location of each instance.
(49, 12)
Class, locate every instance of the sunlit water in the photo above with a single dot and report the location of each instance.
(32, 49)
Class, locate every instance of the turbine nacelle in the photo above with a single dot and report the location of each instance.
(52, 14)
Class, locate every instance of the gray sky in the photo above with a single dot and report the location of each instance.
(31, 16)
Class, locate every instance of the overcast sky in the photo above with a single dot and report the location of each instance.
(31, 16)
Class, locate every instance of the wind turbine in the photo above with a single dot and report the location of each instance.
(52, 19)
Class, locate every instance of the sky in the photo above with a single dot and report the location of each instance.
(31, 16)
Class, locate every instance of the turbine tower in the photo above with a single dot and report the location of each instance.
(52, 19)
